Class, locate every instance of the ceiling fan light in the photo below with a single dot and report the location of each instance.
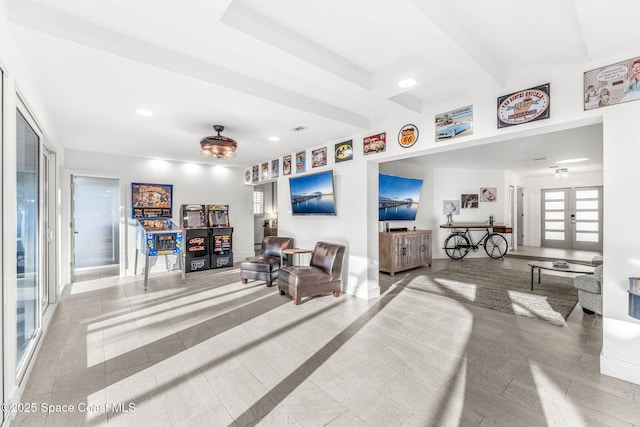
(218, 146)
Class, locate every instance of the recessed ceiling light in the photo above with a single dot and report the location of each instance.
(584, 159)
(145, 113)
(407, 83)
(274, 139)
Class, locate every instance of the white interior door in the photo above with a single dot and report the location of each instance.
(572, 218)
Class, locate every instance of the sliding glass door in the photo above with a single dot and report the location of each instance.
(28, 232)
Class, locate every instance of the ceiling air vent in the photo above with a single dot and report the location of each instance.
(298, 128)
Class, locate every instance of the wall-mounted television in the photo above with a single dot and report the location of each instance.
(398, 198)
(313, 194)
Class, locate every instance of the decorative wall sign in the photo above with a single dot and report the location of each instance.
(301, 158)
(286, 165)
(488, 194)
(469, 201)
(455, 123)
(525, 106)
(275, 168)
(319, 157)
(375, 143)
(151, 200)
(247, 176)
(613, 84)
(408, 135)
(344, 151)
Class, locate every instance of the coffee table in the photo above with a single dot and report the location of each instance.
(567, 268)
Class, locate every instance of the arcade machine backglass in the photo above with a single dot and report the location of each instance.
(196, 234)
(156, 234)
(221, 236)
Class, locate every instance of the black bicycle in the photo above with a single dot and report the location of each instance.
(459, 243)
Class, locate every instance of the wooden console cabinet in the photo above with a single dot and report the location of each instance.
(402, 250)
(270, 231)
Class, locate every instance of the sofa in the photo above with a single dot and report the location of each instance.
(267, 265)
(322, 276)
(590, 288)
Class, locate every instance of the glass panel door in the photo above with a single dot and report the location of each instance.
(556, 223)
(572, 218)
(27, 235)
(96, 222)
(587, 219)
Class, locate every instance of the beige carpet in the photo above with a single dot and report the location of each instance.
(496, 288)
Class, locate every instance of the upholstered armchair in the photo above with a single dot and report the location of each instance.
(590, 289)
(322, 276)
(267, 265)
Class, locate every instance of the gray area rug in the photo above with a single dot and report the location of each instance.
(499, 289)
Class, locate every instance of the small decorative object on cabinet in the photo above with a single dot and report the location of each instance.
(404, 250)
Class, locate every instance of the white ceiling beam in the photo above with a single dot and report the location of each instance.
(46, 20)
(248, 21)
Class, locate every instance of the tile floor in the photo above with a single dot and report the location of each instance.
(214, 352)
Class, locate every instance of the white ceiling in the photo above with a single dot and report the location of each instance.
(262, 68)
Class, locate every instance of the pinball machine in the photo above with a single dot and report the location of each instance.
(156, 234)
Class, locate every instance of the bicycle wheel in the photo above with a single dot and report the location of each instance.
(496, 245)
(456, 246)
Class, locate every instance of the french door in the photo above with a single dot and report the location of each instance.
(572, 218)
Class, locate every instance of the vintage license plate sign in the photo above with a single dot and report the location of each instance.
(408, 135)
(525, 106)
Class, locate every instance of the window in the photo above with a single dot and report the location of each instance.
(258, 202)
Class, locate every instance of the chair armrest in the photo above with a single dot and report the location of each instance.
(597, 273)
(588, 283)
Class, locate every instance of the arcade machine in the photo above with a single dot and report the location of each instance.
(196, 234)
(156, 234)
(221, 236)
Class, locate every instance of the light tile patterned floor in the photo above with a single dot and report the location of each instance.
(214, 352)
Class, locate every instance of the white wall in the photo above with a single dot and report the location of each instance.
(358, 182)
(192, 184)
(621, 332)
(347, 227)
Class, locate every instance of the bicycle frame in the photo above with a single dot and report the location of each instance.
(459, 242)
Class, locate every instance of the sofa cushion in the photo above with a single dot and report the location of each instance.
(305, 275)
(263, 264)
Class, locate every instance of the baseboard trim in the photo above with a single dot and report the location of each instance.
(620, 369)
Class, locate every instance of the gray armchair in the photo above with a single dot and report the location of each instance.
(590, 290)
(322, 276)
(266, 266)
